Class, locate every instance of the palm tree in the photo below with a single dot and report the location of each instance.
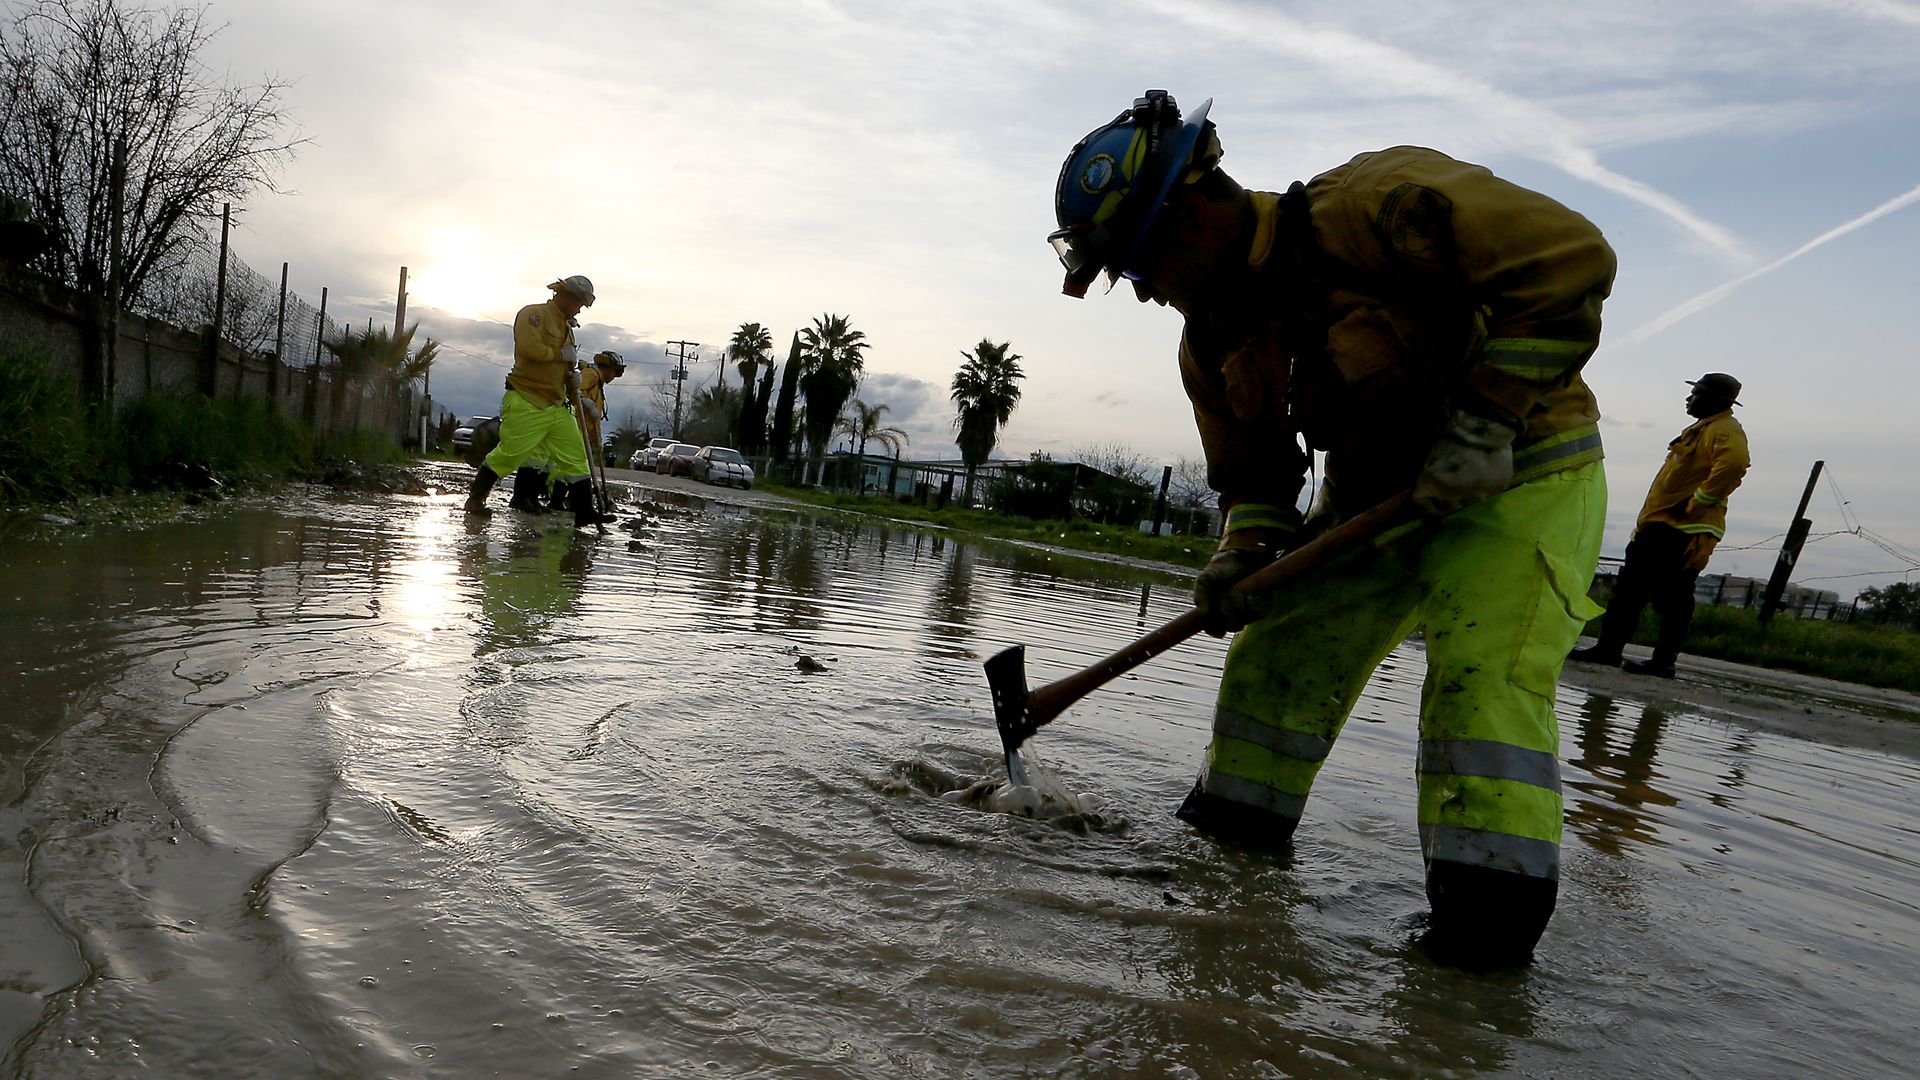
(745, 349)
(985, 389)
(378, 358)
(833, 358)
(864, 426)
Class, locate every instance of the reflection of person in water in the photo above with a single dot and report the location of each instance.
(1609, 811)
(536, 584)
(1279, 952)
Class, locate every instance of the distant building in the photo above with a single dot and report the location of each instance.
(1728, 590)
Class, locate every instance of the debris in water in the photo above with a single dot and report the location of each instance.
(809, 665)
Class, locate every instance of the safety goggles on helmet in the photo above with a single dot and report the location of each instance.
(1115, 181)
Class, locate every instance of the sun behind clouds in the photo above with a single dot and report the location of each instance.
(463, 275)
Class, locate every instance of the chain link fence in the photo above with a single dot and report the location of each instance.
(251, 318)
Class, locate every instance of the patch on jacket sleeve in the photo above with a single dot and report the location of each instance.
(533, 318)
(1417, 222)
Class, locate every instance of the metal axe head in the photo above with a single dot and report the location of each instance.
(1007, 678)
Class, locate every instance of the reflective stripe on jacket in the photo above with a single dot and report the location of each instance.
(539, 332)
(1705, 463)
(1383, 294)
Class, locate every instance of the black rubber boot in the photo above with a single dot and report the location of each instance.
(483, 482)
(528, 483)
(1484, 919)
(1597, 653)
(580, 497)
(1237, 823)
(1659, 666)
(556, 494)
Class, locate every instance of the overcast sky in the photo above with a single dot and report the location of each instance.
(708, 163)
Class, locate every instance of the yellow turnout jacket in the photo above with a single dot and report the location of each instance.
(1705, 463)
(594, 390)
(539, 332)
(1383, 294)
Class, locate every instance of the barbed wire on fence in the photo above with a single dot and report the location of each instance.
(184, 295)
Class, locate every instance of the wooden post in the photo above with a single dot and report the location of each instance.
(1160, 503)
(1790, 550)
(211, 380)
(279, 346)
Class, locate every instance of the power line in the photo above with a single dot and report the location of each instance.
(1863, 573)
(474, 355)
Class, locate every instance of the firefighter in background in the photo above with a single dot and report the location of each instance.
(607, 366)
(1424, 323)
(1684, 517)
(535, 420)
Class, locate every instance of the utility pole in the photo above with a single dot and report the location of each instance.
(1789, 551)
(426, 377)
(680, 378)
(400, 306)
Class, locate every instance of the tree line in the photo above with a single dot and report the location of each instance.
(790, 412)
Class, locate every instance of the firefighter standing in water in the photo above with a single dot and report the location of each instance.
(1683, 519)
(536, 422)
(1424, 323)
(607, 366)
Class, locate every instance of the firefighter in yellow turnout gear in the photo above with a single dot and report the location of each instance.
(1423, 323)
(607, 366)
(536, 422)
(1683, 519)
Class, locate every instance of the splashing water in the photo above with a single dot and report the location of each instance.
(1028, 791)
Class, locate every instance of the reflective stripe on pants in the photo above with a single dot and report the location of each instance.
(1500, 591)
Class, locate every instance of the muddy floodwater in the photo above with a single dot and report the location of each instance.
(339, 785)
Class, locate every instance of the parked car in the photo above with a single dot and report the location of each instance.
(476, 438)
(463, 435)
(721, 465)
(648, 456)
(676, 459)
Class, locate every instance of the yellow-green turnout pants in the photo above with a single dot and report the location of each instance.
(1500, 591)
(530, 432)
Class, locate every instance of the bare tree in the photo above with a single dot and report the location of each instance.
(105, 111)
(1189, 489)
(657, 413)
(1189, 493)
(1117, 460)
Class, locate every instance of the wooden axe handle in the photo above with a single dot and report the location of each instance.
(1052, 699)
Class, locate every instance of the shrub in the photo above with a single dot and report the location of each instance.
(47, 449)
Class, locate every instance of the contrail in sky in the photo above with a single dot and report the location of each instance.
(1554, 137)
(1715, 295)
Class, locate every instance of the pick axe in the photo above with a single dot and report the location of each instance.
(596, 465)
(1020, 712)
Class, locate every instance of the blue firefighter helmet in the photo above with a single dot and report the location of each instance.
(1115, 181)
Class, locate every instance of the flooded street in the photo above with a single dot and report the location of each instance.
(330, 785)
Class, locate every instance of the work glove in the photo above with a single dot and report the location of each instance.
(1242, 553)
(1471, 461)
(573, 380)
(569, 355)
